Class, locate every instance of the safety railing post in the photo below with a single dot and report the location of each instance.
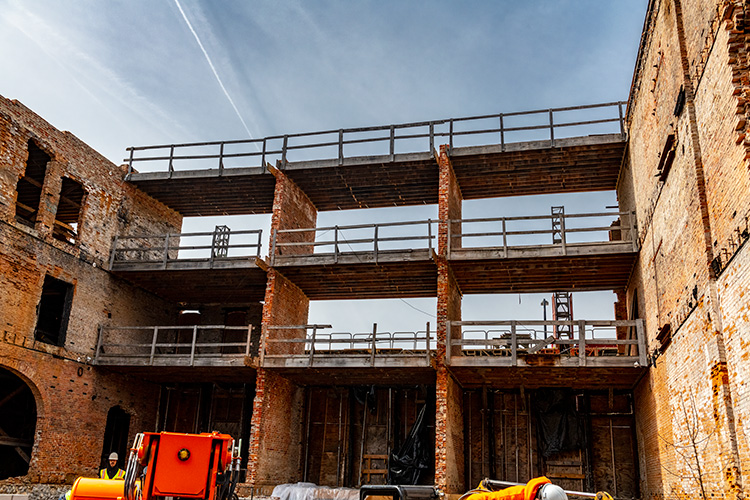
(639, 331)
(112, 254)
(448, 342)
(563, 236)
(450, 133)
(427, 342)
(335, 244)
(249, 336)
(283, 151)
(429, 234)
(502, 134)
(375, 243)
(263, 156)
(221, 158)
(622, 121)
(259, 243)
(192, 345)
(130, 164)
(99, 340)
(171, 156)
(273, 246)
(551, 131)
(153, 345)
(505, 239)
(513, 344)
(312, 345)
(341, 146)
(372, 351)
(165, 258)
(450, 237)
(393, 142)
(432, 137)
(581, 343)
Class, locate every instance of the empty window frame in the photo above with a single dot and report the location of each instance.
(29, 187)
(68, 211)
(53, 311)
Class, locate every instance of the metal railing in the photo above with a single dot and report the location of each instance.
(391, 139)
(370, 345)
(559, 230)
(351, 239)
(591, 339)
(179, 345)
(164, 248)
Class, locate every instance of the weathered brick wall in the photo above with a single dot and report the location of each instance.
(734, 287)
(72, 402)
(73, 397)
(110, 206)
(692, 393)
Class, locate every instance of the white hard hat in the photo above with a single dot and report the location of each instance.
(552, 492)
(113, 456)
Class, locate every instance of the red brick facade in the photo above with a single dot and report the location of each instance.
(685, 176)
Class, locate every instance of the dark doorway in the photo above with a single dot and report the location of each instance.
(17, 425)
(116, 436)
(53, 311)
(29, 187)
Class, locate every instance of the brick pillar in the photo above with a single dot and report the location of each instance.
(275, 451)
(292, 209)
(449, 445)
(45, 219)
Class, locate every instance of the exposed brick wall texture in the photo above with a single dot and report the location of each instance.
(275, 450)
(695, 389)
(72, 408)
(72, 411)
(292, 209)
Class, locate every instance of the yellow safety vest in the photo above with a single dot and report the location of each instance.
(120, 474)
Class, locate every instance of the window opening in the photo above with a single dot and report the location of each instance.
(29, 187)
(68, 211)
(53, 311)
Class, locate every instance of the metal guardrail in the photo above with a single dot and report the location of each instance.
(357, 237)
(172, 343)
(164, 248)
(345, 344)
(398, 137)
(561, 229)
(593, 338)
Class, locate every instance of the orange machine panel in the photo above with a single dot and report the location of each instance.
(186, 477)
(88, 488)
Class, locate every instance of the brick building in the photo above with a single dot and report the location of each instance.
(115, 322)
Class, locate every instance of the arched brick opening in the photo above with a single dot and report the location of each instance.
(18, 422)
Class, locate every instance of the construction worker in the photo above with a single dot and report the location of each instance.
(539, 488)
(112, 471)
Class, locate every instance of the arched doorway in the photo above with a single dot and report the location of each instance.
(17, 425)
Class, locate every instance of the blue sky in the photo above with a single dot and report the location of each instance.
(119, 74)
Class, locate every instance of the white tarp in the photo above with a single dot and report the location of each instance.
(311, 491)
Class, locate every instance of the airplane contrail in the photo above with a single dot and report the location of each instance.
(213, 68)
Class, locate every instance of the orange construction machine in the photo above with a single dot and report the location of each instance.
(169, 464)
